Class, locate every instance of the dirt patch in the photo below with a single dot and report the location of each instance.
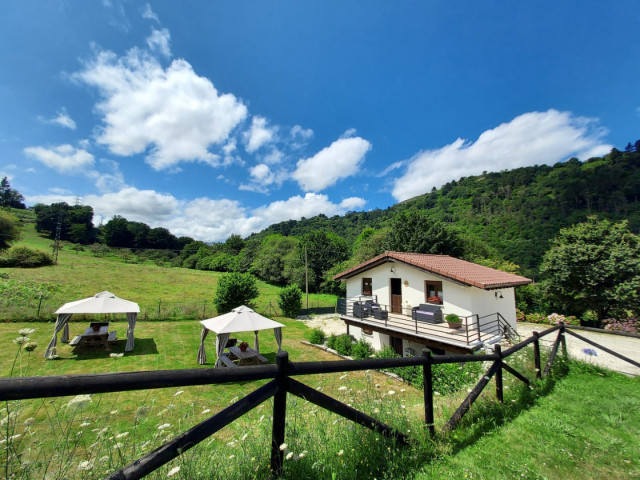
(329, 324)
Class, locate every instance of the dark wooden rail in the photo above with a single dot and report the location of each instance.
(281, 383)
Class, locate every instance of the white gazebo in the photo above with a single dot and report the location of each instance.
(103, 302)
(240, 319)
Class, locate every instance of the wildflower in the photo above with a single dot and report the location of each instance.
(261, 418)
(122, 435)
(103, 459)
(289, 456)
(21, 340)
(340, 453)
(163, 426)
(173, 471)
(590, 351)
(342, 388)
(403, 390)
(113, 412)
(283, 447)
(231, 444)
(206, 410)
(117, 446)
(343, 377)
(391, 392)
(26, 331)
(30, 420)
(179, 392)
(231, 457)
(244, 437)
(142, 411)
(116, 355)
(79, 401)
(436, 393)
(30, 346)
(15, 437)
(85, 465)
(302, 455)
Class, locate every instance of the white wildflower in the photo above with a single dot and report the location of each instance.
(122, 435)
(116, 355)
(302, 455)
(173, 471)
(21, 340)
(340, 453)
(206, 410)
(84, 424)
(30, 421)
(79, 401)
(231, 457)
(118, 446)
(85, 465)
(342, 388)
(179, 392)
(163, 426)
(289, 456)
(15, 437)
(26, 331)
(391, 392)
(103, 459)
(343, 377)
(113, 412)
(244, 437)
(283, 447)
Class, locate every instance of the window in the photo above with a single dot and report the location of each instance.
(367, 288)
(433, 292)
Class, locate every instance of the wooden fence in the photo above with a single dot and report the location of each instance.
(280, 385)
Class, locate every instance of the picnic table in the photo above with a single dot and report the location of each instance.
(248, 356)
(93, 336)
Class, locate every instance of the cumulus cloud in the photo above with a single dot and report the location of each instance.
(149, 14)
(146, 206)
(62, 119)
(533, 138)
(62, 158)
(298, 132)
(259, 134)
(158, 41)
(173, 112)
(341, 159)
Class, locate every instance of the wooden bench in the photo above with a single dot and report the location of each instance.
(112, 337)
(76, 340)
(227, 361)
(262, 358)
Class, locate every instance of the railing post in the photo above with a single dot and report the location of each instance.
(536, 354)
(563, 340)
(279, 414)
(427, 378)
(499, 385)
(416, 324)
(478, 326)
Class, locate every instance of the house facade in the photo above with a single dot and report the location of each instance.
(392, 286)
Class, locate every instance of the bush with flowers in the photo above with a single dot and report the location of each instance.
(557, 319)
(629, 325)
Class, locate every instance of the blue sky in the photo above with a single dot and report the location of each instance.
(213, 118)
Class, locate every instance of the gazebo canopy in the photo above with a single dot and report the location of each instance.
(240, 319)
(103, 302)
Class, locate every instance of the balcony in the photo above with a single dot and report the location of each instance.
(475, 331)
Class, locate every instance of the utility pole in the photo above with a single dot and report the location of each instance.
(56, 243)
(306, 275)
(77, 201)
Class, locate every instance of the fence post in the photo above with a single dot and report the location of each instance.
(204, 308)
(563, 340)
(478, 326)
(536, 354)
(499, 385)
(427, 378)
(279, 414)
(159, 305)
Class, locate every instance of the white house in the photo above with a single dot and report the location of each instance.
(400, 300)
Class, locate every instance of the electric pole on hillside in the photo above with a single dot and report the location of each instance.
(306, 275)
(56, 243)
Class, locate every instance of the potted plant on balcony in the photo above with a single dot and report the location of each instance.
(243, 346)
(435, 300)
(453, 320)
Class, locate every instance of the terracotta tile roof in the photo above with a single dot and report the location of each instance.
(468, 273)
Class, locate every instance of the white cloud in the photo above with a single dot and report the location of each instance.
(174, 112)
(341, 159)
(63, 119)
(262, 173)
(158, 41)
(63, 158)
(352, 204)
(145, 206)
(298, 132)
(60, 191)
(149, 14)
(533, 138)
(273, 157)
(259, 134)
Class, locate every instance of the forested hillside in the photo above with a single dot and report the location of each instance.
(513, 213)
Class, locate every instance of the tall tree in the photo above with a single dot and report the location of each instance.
(594, 265)
(116, 233)
(9, 229)
(10, 197)
(323, 251)
(412, 231)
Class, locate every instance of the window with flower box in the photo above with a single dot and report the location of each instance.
(433, 292)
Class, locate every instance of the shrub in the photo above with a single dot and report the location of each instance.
(10, 228)
(557, 319)
(331, 341)
(630, 325)
(343, 344)
(235, 289)
(536, 318)
(361, 349)
(290, 301)
(590, 318)
(520, 317)
(316, 336)
(25, 257)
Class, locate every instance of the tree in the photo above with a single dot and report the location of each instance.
(290, 300)
(76, 222)
(234, 244)
(10, 197)
(9, 229)
(116, 233)
(595, 266)
(412, 231)
(235, 289)
(271, 261)
(323, 251)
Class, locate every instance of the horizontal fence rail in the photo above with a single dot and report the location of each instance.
(281, 383)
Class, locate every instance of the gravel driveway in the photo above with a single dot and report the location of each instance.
(627, 346)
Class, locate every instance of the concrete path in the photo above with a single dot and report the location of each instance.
(627, 346)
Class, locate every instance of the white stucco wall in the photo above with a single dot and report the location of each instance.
(377, 340)
(459, 299)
